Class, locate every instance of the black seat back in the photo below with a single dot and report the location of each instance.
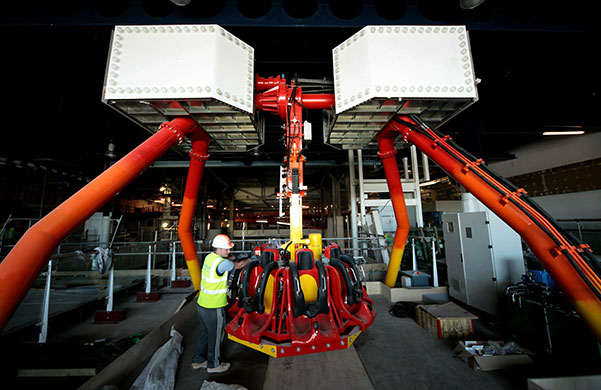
(266, 258)
(304, 259)
(335, 253)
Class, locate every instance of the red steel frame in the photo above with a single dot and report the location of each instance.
(29, 256)
(274, 97)
(279, 332)
(31, 253)
(544, 245)
(288, 102)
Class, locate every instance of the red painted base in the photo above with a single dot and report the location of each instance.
(181, 283)
(147, 297)
(108, 317)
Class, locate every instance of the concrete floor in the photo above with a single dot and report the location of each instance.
(395, 352)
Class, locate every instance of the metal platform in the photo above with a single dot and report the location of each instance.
(62, 302)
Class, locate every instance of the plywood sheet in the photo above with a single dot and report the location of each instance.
(341, 369)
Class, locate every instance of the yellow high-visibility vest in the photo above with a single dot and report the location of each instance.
(213, 288)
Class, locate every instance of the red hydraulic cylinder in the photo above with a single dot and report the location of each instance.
(543, 245)
(387, 153)
(199, 155)
(274, 94)
(30, 255)
(318, 101)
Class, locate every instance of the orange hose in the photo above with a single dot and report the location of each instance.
(591, 275)
(387, 153)
(584, 300)
(199, 155)
(30, 255)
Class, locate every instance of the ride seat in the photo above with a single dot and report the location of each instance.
(254, 280)
(332, 251)
(309, 285)
(354, 289)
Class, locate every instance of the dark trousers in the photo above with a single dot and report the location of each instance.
(212, 323)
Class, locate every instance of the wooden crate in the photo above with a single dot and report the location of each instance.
(446, 321)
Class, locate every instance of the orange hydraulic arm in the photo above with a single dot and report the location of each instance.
(199, 155)
(387, 153)
(25, 261)
(289, 102)
(569, 263)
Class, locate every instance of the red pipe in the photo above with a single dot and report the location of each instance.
(199, 155)
(318, 101)
(387, 153)
(30, 255)
(543, 246)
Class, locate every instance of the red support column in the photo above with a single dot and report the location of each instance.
(30, 255)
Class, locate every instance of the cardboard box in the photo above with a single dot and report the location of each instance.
(474, 352)
(573, 382)
(447, 321)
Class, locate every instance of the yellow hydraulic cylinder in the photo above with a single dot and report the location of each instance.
(296, 224)
(315, 245)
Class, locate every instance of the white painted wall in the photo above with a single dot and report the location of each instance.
(555, 152)
(552, 152)
(575, 205)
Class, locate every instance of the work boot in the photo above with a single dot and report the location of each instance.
(223, 367)
(196, 366)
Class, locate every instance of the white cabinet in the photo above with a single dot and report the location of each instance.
(484, 255)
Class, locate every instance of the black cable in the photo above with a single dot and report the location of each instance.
(588, 258)
(595, 265)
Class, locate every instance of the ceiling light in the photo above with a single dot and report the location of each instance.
(181, 3)
(569, 132)
(432, 182)
(470, 4)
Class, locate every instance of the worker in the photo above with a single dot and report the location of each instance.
(212, 299)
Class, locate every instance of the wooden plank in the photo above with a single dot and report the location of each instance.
(131, 359)
(562, 383)
(450, 321)
(402, 294)
(373, 288)
(55, 372)
(448, 310)
(341, 369)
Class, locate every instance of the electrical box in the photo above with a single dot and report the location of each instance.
(484, 256)
(415, 279)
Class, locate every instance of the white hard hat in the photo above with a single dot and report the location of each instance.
(222, 241)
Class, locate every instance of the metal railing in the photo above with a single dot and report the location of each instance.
(586, 230)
